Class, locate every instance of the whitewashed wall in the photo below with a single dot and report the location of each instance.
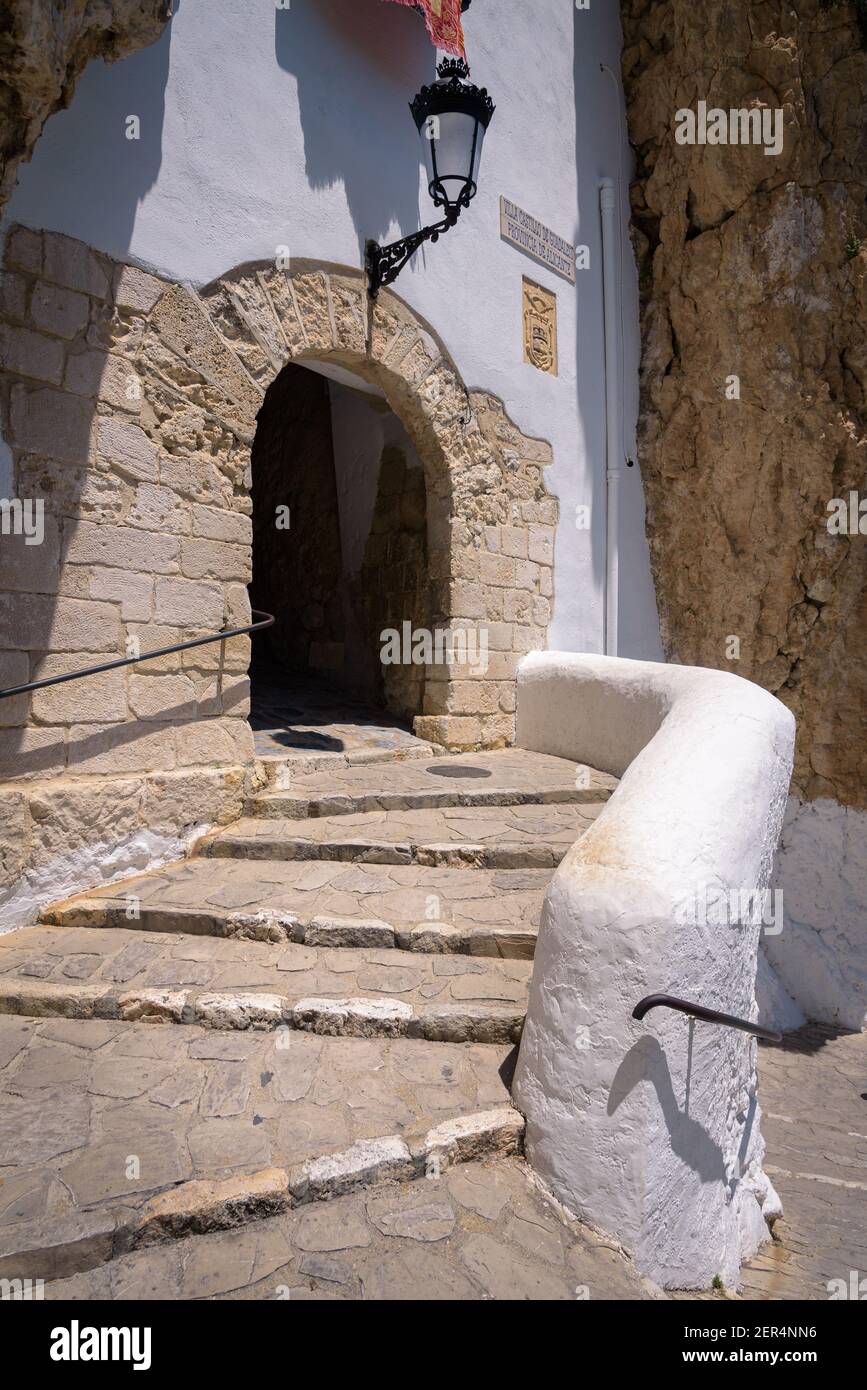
(263, 127)
(651, 1131)
(820, 956)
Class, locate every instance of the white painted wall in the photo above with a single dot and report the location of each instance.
(651, 1130)
(821, 954)
(263, 127)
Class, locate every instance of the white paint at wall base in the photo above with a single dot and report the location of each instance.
(777, 1009)
(91, 867)
(821, 953)
(652, 1131)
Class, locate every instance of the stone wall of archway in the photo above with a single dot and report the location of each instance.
(491, 521)
(129, 407)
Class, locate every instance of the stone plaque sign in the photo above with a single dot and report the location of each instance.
(532, 236)
(540, 327)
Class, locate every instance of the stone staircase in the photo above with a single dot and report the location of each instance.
(344, 976)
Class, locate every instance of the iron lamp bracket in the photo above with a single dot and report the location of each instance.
(384, 263)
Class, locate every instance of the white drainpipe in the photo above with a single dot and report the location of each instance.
(613, 442)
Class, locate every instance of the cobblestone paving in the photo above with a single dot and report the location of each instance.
(398, 895)
(481, 1231)
(79, 1097)
(111, 972)
(813, 1090)
(114, 956)
(502, 837)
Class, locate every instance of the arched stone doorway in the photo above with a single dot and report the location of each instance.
(490, 521)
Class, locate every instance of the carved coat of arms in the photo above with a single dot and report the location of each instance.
(540, 327)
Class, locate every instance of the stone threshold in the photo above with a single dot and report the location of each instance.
(430, 938)
(45, 1251)
(360, 1017)
(274, 766)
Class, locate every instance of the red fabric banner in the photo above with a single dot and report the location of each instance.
(443, 20)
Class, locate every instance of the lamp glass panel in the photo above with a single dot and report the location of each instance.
(480, 140)
(451, 146)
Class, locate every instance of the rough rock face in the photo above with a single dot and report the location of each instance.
(755, 265)
(44, 48)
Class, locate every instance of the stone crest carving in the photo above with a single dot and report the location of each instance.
(540, 327)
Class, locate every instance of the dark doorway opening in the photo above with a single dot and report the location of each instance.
(339, 557)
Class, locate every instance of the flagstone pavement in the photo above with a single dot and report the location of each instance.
(281, 1069)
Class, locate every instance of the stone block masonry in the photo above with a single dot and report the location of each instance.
(129, 406)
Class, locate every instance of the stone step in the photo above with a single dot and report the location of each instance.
(115, 973)
(479, 1231)
(508, 837)
(509, 777)
(114, 1135)
(445, 910)
(298, 720)
(280, 770)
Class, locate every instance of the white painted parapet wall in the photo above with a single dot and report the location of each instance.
(650, 1131)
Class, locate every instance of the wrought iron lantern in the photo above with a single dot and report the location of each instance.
(452, 116)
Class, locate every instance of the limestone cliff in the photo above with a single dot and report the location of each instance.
(754, 266)
(44, 48)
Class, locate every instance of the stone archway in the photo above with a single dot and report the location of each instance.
(205, 361)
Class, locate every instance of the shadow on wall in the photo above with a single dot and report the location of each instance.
(62, 324)
(119, 558)
(646, 1061)
(71, 411)
(383, 52)
(81, 144)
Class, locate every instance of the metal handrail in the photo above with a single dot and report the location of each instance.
(668, 1001)
(268, 620)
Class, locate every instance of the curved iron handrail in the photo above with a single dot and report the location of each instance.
(668, 1001)
(268, 620)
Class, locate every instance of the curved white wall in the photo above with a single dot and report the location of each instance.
(264, 127)
(651, 1130)
(820, 956)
